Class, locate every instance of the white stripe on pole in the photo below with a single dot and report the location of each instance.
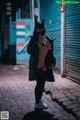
(20, 26)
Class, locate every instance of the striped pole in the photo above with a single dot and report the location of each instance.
(20, 41)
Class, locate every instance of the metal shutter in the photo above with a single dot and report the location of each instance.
(73, 41)
(50, 11)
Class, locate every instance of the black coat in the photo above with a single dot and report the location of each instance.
(33, 49)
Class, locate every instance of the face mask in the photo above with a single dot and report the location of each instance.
(42, 32)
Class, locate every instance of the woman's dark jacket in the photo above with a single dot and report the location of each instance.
(33, 49)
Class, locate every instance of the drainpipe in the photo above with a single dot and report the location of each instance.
(38, 2)
(30, 2)
(10, 36)
(19, 11)
(33, 20)
(17, 15)
(63, 39)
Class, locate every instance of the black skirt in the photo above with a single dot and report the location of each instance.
(45, 75)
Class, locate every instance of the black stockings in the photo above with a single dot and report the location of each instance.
(40, 85)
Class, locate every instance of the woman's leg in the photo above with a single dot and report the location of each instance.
(39, 90)
(39, 86)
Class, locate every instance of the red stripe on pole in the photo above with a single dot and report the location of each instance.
(62, 6)
(20, 23)
(19, 44)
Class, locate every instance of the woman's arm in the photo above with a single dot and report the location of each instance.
(32, 46)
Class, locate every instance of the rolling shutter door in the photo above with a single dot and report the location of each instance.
(50, 11)
(73, 41)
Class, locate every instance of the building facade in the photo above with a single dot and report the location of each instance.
(65, 27)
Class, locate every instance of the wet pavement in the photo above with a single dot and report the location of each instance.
(17, 96)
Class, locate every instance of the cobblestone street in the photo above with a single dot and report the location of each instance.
(17, 96)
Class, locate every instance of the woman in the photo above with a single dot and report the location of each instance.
(41, 62)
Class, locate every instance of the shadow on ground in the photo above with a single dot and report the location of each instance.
(38, 115)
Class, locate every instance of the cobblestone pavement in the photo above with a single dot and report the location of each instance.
(17, 96)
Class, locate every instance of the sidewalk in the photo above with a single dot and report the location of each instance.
(66, 94)
(17, 96)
